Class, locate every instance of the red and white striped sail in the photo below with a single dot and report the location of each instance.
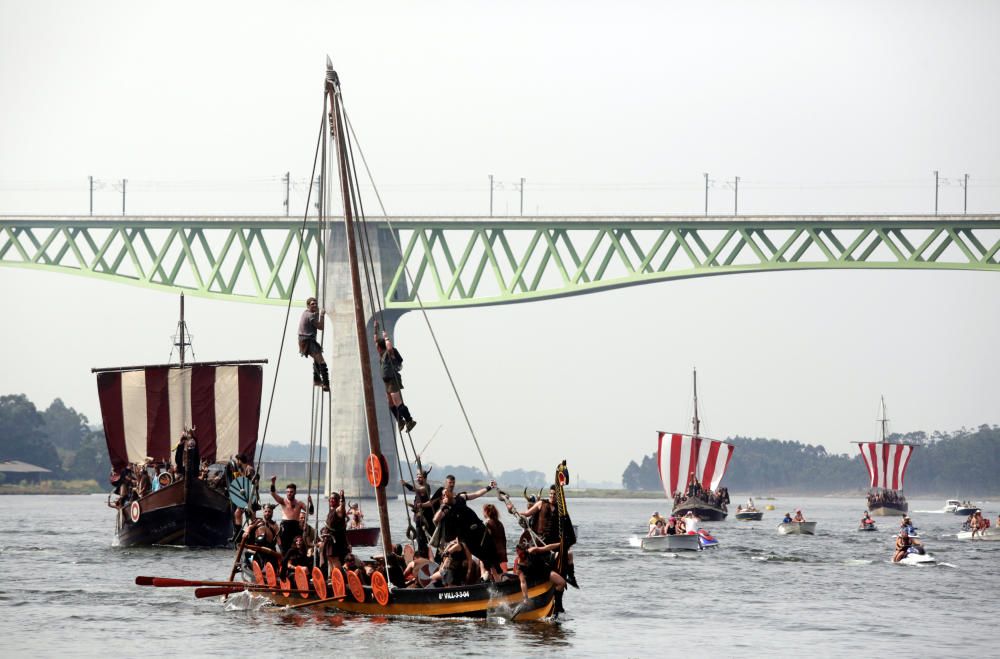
(147, 409)
(681, 456)
(886, 463)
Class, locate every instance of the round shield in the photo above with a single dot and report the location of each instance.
(134, 511)
(357, 590)
(319, 583)
(337, 582)
(240, 492)
(380, 588)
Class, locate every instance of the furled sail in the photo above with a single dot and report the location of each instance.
(147, 408)
(886, 463)
(681, 456)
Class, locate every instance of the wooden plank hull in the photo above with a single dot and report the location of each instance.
(475, 601)
(705, 511)
(182, 514)
(897, 510)
(364, 537)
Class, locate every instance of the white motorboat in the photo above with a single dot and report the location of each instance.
(689, 542)
(797, 528)
(991, 534)
(956, 507)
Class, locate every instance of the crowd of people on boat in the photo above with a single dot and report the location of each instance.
(454, 545)
(886, 499)
(694, 491)
(138, 479)
(673, 525)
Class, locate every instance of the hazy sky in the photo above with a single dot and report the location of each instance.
(604, 108)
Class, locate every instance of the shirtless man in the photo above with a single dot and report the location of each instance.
(290, 508)
(798, 516)
(311, 321)
(535, 564)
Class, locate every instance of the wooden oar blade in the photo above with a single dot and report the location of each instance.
(215, 591)
(144, 581)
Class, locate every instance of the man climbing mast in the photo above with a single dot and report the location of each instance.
(311, 321)
(391, 362)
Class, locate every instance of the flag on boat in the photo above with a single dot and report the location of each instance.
(681, 456)
(886, 463)
(147, 408)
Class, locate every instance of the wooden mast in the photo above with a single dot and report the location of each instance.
(695, 421)
(337, 134)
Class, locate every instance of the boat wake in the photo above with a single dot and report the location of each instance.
(245, 601)
(635, 541)
(858, 561)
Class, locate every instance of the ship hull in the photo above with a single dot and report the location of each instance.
(897, 510)
(474, 601)
(180, 514)
(364, 537)
(705, 511)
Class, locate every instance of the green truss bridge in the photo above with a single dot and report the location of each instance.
(468, 261)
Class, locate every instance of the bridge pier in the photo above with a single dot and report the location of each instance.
(349, 450)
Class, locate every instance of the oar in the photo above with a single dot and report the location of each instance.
(314, 602)
(164, 582)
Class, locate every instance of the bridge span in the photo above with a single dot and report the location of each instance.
(449, 262)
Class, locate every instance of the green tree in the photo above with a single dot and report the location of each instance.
(63, 426)
(22, 435)
(91, 460)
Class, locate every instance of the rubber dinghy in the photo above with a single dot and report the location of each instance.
(797, 528)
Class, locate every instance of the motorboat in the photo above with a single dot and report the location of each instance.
(749, 515)
(957, 507)
(797, 528)
(687, 542)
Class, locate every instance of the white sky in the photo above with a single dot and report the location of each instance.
(605, 108)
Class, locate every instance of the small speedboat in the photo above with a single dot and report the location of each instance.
(797, 528)
(868, 527)
(957, 507)
(749, 515)
(991, 534)
(688, 542)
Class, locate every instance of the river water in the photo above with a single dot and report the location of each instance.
(66, 591)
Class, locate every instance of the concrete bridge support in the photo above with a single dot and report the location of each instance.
(350, 449)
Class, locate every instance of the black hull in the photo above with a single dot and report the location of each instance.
(195, 516)
(704, 510)
(895, 510)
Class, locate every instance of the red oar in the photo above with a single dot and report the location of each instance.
(313, 602)
(163, 582)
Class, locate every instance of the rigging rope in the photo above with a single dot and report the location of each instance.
(291, 291)
(420, 303)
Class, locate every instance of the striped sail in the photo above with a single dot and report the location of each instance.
(146, 410)
(886, 463)
(681, 456)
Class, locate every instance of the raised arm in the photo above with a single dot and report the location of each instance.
(274, 492)
(469, 496)
(535, 507)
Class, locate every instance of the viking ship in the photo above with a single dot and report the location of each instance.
(691, 469)
(353, 591)
(146, 410)
(886, 462)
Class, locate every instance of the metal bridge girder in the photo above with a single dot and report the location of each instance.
(256, 258)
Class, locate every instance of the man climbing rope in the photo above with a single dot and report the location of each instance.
(312, 321)
(391, 362)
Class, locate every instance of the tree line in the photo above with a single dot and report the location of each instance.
(59, 439)
(961, 463)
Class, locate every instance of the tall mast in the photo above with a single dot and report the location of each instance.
(695, 420)
(181, 330)
(337, 134)
(883, 422)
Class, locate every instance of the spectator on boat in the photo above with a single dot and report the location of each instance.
(455, 519)
(391, 362)
(548, 524)
(867, 520)
(907, 525)
(423, 507)
(659, 528)
(355, 517)
(681, 527)
(310, 323)
(290, 508)
(787, 519)
(654, 519)
(498, 533)
(535, 564)
(335, 548)
(671, 527)
(144, 484)
(798, 516)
